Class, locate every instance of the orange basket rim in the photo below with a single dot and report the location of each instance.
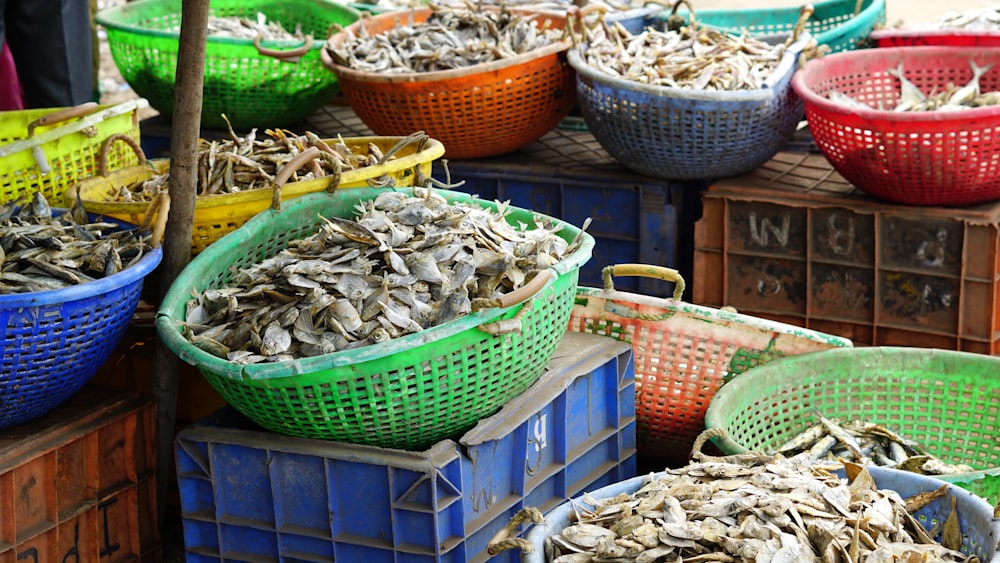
(437, 75)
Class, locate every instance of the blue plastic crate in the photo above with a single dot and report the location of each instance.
(251, 495)
(634, 219)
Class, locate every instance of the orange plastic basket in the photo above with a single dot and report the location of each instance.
(682, 353)
(483, 110)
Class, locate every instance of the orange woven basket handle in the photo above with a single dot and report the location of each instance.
(85, 108)
(644, 271)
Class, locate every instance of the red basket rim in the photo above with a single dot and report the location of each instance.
(803, 79)
(438, 75)
(879, 34)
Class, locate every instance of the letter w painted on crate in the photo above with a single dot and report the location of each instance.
(762, 234)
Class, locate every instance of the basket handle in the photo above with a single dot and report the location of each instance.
(502, 540)
(291, 55)
(524, 294)
(526, 291)
(645, 271)
(675, 22)
(62, 115)
(805, 13)
(297, 162)
(102, 161)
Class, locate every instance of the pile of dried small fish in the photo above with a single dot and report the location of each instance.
(245, 28)
(693, 57)
(866, 443)
(40, 252)
(452, 37)
(246, 163)
(952, 98)
(409, 261)
(756, 508)
(983, 19)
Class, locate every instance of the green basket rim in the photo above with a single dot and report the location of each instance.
(106, 17)
(746, 382)
(168, 325)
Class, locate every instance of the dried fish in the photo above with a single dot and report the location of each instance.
(40, 252)
(341, 288)
(451, 37)
(779, 510)
(911, 98)
(692, 57)
(865, 442)
(982, 19)
(246, 163)
(245, 28)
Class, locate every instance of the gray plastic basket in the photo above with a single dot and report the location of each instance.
(980, 531)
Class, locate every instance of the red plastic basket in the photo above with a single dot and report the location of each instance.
(916, 158)
(934, 37)
(483, 110)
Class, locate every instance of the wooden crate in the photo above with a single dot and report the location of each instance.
(79, 484)
(795, 242)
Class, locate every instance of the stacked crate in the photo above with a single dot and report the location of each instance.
(252, 495)
(793, 241)
(78, 484)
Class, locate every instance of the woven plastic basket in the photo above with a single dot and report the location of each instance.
(55, 341)
(683, 353)
(265, 86)
(685, 134)
(935, 37)
(979, 529)
(947, 401)
(217, 215)
(407, 393)
(841, 25)
(48, 150)
(478, 111)
(917, 158)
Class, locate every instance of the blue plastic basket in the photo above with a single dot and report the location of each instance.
(685, 134)
(979, 529)
(54, 341)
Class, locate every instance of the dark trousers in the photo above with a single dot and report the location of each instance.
(51, 44)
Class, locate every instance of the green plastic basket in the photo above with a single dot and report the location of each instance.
(252, 89)
(833, 22)
(407, 393)
(947, 401)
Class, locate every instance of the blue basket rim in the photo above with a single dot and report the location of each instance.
(786, 67)
(169, 328)
(86, 290)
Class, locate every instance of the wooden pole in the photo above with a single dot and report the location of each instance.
(184, 132)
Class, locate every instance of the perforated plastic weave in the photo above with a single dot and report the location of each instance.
(946, 401)
(54, 341)
(252, 89)
(941, 158)
(69, 149)
(685, 134)
(683, 354)
(482, 110)
(834, 23)
(407, 393)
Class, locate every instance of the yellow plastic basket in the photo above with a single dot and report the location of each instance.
(49, 150)
(219, 214)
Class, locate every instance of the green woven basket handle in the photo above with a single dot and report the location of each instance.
(85, 108)
(645, 271)
(291, 55)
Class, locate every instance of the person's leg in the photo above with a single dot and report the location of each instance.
(51, 44)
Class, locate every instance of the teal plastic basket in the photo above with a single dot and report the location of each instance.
(834, 23)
